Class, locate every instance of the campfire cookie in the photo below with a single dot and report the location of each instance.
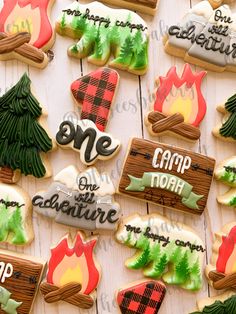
(226, 173)
(167, 176)
(15, 215)
(144, 297)
(179, 105)
(23, 141)
(226, 130)
(221, 271)
(83, 200)
(20, 276)
(102, 30)
(144, 6)
(205, 37)
(73, 274)
(165, 249)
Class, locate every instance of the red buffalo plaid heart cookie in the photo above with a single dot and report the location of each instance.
(143, 297)
(95, 92)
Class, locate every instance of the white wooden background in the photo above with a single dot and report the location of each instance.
(52, 87)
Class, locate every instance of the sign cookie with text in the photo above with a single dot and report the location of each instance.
(167, 176)
(20, 277)
(82, 200)
(165, 249)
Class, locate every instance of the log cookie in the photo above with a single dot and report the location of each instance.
(205, 37)
(179, 106)
(73, 273)
(226, 173)
(165, 249)
(20, 276)
(167, 176)
(144, 297)
(23, 141)
(102, 31)
(144, 6)
(226, 130)
(15, 215)
(82, 200)
(221, 271)
(221, 304)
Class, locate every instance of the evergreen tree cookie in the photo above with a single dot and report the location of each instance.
(23, 141)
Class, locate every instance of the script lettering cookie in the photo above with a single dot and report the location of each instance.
(226, 173)
(73, 273)
(167, 176)
(221, 271)
(144, 297)
(102, 30)
(179, 105)
(144, 6)
(15, 215)
(23, 140)
(82, 200)
(221, 304)
(20, 276)
(205, 37)
(165, 250)
(226, 130)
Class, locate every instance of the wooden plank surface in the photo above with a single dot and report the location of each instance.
(52, 87)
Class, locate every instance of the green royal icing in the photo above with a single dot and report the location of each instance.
(167, 182)
(226, 307)
(228, 129)
(101, 34)
(8, 305)
(11, 222)
(22, 138)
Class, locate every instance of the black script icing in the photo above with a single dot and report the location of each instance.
(83, 185)
(68, 133)
(11, 203)
(222, 18)
(191, 246)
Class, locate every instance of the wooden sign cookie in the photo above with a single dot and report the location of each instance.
(83, 200)
(144, 296)
(205, 37)
(144, 6)
(24, 141)
(226, 130)
(179, 105)
(226, 173)
(165, 250)
(221, 272)
(221, 304)
(167, 176)
(73, 273)
(103, 31)
(20, 276)
(15, 215)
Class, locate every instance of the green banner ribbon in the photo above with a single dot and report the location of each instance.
(167, 182)
(8, 305)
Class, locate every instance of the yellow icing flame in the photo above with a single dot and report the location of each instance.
(21, 25)
(72, 275)
(183, 106)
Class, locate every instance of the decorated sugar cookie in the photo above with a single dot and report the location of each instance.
(31, 16)
(165, 249)
(82, 200)
(144, 297)
(20, 276)
(221, 304)
(95, 93)
(227, 129)
(23, 142)
(179, 105)
(145, 6)
(167, 176)
(102, 30)
(217, 3)
(221, 271)
(73, 273)
(205, 37)
(15, 215)
(226, 173)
